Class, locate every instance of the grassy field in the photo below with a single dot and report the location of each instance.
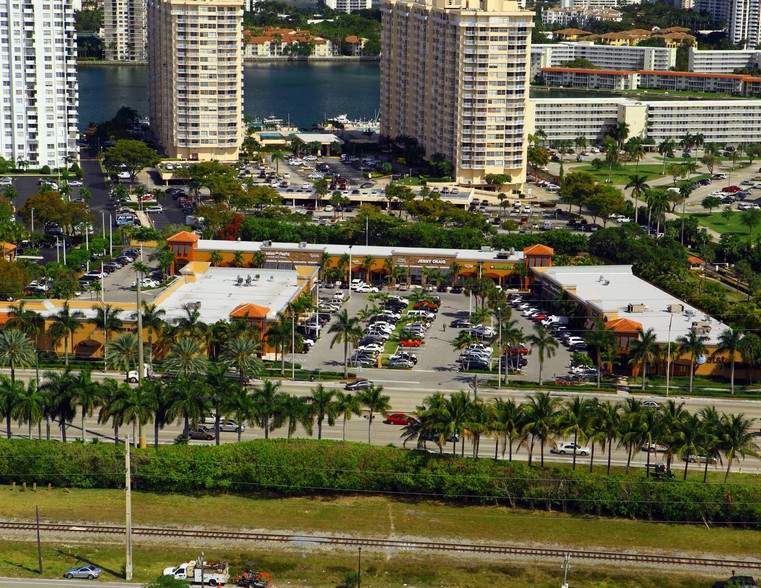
(621, 175)
(329, 569)
(721, 225)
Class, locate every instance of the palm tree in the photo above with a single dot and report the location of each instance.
(186, 358)
(279, 336)
(110, 390)
(107, 320)
(187, 402)
(67, 323)
(157, 395)
(215, 257)
(694, 344)
(347, 404)
(689, 436)
(27, 321)
(345, 330)
(672, 415)
(651, 430)
(122, 354)
(294, 411)
(545, 344)
(86, 395)
(639, 186)
(631, 431)
(736, 438)
(573, 420)
(666, 148)
(608, 425)
(30, 406)
(509, 423)
(10, 393)
(644, 351)
(239, 405)
(277, 157)
(267, 405)
(322, 406)
(541, 413)
(60, 388)
(603, 340)
(153, 321)
(729, 341)
(135, 406)
(191, 323)
(16, 350)
(242, 353)
(375, 401)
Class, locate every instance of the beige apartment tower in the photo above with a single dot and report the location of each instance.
(195, 77)
(124, 30)
(454, 75)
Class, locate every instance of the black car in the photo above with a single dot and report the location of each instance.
(456, 290)
(474, 363)
(359, 384)
(736, 582)
(461, 323)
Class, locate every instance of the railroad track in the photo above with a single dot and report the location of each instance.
(646, 559)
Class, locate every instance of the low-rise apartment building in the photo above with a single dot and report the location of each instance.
(278, 42)
(599, 79)
(580, 16)
(723, 61)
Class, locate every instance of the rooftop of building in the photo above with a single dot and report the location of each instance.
(610, 290)
(219, 291)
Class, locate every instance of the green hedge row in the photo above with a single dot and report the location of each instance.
(307, 467)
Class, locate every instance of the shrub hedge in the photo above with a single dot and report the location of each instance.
(307, 467)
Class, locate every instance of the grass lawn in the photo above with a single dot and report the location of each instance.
(718, 223)
(622, 175)
(325, 569)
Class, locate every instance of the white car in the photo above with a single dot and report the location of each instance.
(315, 176)
(329, 208)
(366, 288)
(339, 295)
(564, 448)
(154, 208)
(76, 183)
(124, 175)
(310, 158)
(374, 347)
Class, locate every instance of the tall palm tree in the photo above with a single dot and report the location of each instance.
(279, 336)
(152, 321)
(16, 350)
(10, 394)
(541, 413)
(347, 404)
(482, 422)
(644, 351)
(26, 321)
(736, 438)
(666, 148)
(672, 415)
(651, 432)
(67, 322)
(375, 401)
(694, 344)
(107, 320)
(110, 391)
(157, 397)
(267, 405)
(217, 386)
(86, 395)
(191, 323)
(295, 410)
(455, 419)
(545, 344)
(61, 391)
(135, 407)
(639, 186)
(239, 405)
(30, 407)
(689, 436)
(573, 421)
(187, 402)
(604, 341)
(243, 353)
(122, 354)
(631, 427)
(509, 423)
(345, 330)
(729, 341)
(322, 405)
(609, 425)
(186, 358)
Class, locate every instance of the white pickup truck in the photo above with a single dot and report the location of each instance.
(208, 573)
(132, 375)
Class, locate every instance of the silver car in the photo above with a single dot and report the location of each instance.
(87, 572)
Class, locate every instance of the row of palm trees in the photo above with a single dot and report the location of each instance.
(64, 394)
(544, 418)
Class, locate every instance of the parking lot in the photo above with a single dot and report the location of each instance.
(437, 357)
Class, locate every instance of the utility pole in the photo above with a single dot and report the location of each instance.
(39, 545)
(566, 560)
(128, 488)
(359, 567)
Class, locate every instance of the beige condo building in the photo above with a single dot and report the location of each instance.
(454, 75)
(195, 77)
(124, 30)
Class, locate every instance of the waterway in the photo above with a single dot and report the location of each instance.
(303, 93)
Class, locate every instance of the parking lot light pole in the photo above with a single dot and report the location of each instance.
(349, 297)
(32, 234)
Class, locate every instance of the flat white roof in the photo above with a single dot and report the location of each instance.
(611, 288)
(217, 292)
(324, 138)
(357, 251)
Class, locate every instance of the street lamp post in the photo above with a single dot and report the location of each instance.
(349, 297)
(32, 235)
(359, 567)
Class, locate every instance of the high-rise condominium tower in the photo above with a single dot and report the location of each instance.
(124, 30)
(38, 93)
(454, 76)
(195, 77)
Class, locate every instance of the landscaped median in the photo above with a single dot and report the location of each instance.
(305, 467)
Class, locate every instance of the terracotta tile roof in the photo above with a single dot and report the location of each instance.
(250, 311)
(694, 260)
(183, 237)
(624, 325)
(538, 249)
(572, 32)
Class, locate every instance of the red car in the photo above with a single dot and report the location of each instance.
(731, 189)
(409, 343)
(398, 418)
(522, 350)
(538, 317)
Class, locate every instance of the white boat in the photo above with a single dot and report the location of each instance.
(344, 122)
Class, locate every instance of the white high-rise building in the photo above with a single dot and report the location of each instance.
(745, 22)
(349, 5)
(39, 92)
(454, 76)
(124, 30)
(195, 77)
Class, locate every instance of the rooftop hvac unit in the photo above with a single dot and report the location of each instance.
(676, 308)
(636, 308)
(701, 327)
(485, 249)
(267, 244)
(302, 244)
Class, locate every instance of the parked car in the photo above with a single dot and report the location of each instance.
(398, 418)
(650, 404)
(366, 288)
(692, 458)
(87, 572)
(409, 343)
(736, 582)
(400, 362)
(569, 447)
(358, 384)
(460, 324)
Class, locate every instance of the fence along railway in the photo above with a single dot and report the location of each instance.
(640, 559)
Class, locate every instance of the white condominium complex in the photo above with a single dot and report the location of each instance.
(124, 30)
(38, 94)
(349, 5)
(195, 77)
(454, 76)
(742, 16)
